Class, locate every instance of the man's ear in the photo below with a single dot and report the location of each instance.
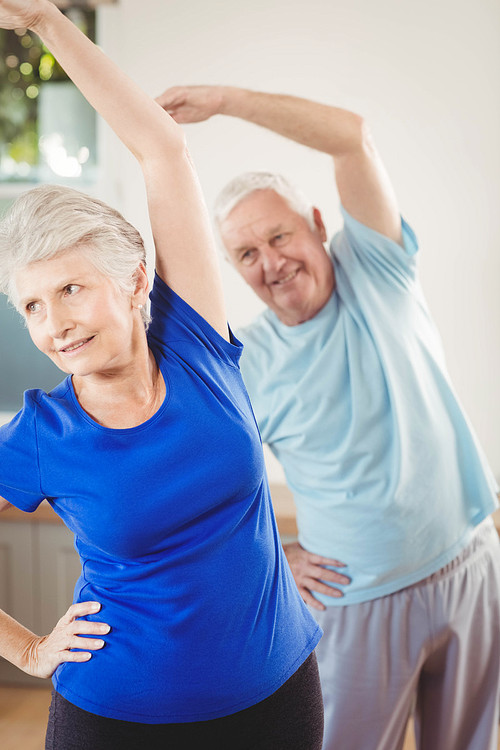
(319, 224)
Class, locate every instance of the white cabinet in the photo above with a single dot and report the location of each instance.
(38, 571)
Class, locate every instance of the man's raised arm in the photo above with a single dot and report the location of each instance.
(362, 181)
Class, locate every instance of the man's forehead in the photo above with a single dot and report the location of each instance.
(260, 217)
(240, 236)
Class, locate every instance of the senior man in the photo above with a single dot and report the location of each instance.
(397, 555)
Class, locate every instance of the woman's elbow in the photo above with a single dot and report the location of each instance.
(164, 139)
(4, 504)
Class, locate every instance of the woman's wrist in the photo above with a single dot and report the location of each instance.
(43, 14)
(18, 644)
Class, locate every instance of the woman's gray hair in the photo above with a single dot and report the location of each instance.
(249, 182)
(49, 219)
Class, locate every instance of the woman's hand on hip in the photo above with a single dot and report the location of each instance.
(44, 654)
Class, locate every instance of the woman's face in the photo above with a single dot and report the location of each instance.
(77, 316)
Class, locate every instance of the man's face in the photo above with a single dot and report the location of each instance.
(279, 255)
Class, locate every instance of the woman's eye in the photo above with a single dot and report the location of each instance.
(32, 307)
(72, 289)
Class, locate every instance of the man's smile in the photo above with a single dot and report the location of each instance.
(287, 278)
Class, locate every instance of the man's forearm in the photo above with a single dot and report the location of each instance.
(328, 129)
(362, 182)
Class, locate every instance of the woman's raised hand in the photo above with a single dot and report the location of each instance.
(21, 14)
(44, 654)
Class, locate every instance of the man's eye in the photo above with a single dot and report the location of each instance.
(71, 289)
(280, 239)
(248, 256)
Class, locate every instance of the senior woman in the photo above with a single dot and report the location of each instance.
(149, 452)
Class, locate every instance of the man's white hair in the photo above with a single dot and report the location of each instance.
(249, 182)
(50, 219)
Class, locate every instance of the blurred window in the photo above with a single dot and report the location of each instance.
(47, 128)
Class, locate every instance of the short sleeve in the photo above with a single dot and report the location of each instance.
(174, 321)
(357, 244)
(19, 466)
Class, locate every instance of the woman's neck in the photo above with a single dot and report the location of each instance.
(124, 398)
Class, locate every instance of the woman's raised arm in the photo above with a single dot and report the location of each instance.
(186, 256)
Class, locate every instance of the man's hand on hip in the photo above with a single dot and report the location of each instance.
(311, 574)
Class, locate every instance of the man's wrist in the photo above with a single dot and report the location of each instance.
(232, 101)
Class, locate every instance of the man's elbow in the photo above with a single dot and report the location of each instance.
(365, 136)
(358, 140)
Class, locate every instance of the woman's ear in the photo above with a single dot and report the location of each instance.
(140, 293)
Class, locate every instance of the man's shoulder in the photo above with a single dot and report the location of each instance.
(260, 345)
(254, 332)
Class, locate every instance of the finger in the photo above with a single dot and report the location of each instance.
(171, 98)
(318, 560)
(310, 600)
(325, 574)
(87, 627)
(81, 609)
(74, 656)
(92, 644)
(169, 105)
(324, 588)
(179, 117)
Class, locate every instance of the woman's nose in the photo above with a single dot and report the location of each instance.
(57, 321)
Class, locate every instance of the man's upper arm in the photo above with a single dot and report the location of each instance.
(366, 191)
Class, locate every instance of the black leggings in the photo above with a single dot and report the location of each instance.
(290, 719)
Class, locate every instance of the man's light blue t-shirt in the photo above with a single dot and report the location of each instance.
(357, 405)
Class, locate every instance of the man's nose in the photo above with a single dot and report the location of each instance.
(272, 259)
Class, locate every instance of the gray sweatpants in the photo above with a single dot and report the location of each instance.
(433, 647)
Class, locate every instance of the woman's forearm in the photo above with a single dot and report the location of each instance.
(137, 119)
(16, 641)
(40, 656)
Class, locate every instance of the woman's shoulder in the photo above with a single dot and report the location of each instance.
(39, 404)
(175, 325)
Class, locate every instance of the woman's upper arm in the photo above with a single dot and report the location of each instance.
(186, 254)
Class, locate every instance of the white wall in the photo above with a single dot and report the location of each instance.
(424, 74)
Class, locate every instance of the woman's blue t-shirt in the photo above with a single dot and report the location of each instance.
(175, 531)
